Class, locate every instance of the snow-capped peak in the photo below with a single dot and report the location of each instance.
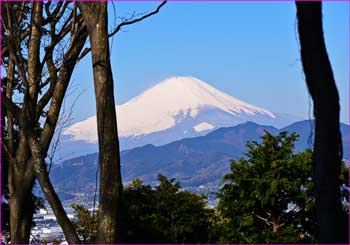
(164, 105)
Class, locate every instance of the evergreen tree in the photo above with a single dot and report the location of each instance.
(165, 214)
(86, 224)
(267, 197)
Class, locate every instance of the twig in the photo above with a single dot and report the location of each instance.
(266, 220)
(125, 23)
(137, 20)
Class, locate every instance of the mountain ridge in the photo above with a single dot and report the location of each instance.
(193, 161)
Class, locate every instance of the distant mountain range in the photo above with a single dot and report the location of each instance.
(192, 161)
(173, 109)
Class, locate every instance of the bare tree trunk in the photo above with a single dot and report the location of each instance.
(96, 19)
(21, 220)
(21, 206)
(21, 203)
(21, 175)
(21, 181)
(51, 196)
(22, 50)
(327, 154)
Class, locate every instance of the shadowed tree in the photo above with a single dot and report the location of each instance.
(96, 18)
(328, 146)
(42, 43)
(41, 46)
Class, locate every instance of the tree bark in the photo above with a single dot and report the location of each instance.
(51, 196)
(32, 74)
(60, 89)
(96, 19)
(21, 205)
(10, 76)
(20, 202)
(327, 154)
(21, 168)
(21, 181)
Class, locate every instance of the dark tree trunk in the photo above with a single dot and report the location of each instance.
(21, 180)
(96, 19)
(31, 73)
(21, 207)
(327, 154)
(21, 219)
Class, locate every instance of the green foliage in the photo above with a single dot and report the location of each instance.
(48, 241)
(267, 197)
(86, 225)
(165, 214)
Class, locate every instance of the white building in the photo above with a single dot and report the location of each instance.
(42, 211)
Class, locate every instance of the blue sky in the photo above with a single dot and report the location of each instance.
(247, 49)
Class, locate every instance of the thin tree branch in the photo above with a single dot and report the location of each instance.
(137, 20)
(83, 54)
(9, 105)
(44, 100)
(19, 64)
(51, 16)
(21, 12)
(263, 219)
(10, 76)
(56, 39)
(23, 35)
(61, 85)
(43, 85)
(125, 23)
(64, 120)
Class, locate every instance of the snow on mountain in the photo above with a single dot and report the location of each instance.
(175, 108)
(203, 126)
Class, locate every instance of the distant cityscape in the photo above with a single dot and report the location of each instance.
(47, 229)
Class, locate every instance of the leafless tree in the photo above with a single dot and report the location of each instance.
(40, 47)
(65, 119)
(41, 44)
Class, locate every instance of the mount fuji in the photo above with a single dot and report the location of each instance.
(175, 108)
